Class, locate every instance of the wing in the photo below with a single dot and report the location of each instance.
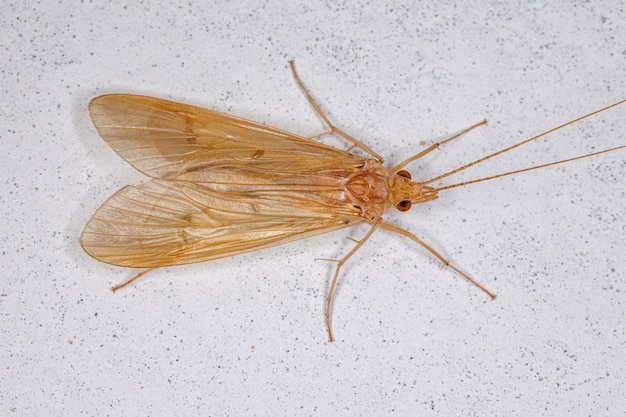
(161, 223)
(223, 185)
(169, 140)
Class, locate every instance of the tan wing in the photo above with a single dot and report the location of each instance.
(223, 185)
(163, 223)
(169, 140)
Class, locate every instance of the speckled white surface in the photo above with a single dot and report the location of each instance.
(245, 335)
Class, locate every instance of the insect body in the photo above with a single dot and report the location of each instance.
(222, 186)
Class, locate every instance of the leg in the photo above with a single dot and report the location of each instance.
(340, 262)
(331, 128)
(136, 277)
(444, 261)
(434, 146)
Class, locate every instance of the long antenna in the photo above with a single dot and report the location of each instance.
(460, 184)
(478, 161)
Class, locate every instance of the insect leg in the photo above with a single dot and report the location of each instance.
(329, 299)
(444, 261)
(435, 146)
(331, 128)
(136, 277)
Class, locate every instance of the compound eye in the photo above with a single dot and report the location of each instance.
(404, 205)
(405, 174)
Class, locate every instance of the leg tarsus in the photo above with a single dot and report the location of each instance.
(435, 146)
(134, 278)
(340, 263)
(444, 262)
(332, 128)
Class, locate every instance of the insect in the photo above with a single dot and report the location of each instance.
(223, 185)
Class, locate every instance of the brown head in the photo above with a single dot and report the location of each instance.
(403, 192)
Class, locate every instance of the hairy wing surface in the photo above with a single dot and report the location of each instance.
(161, 223)
(169, 140)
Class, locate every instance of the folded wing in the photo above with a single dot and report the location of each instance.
(222, 186)
(169, 140)
(162, 223)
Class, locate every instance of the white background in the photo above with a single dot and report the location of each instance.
(245, 335)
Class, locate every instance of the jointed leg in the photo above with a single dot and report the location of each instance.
(331, 128)
(444, 261)
(435, 146)
(340, 262)
(136, 277)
